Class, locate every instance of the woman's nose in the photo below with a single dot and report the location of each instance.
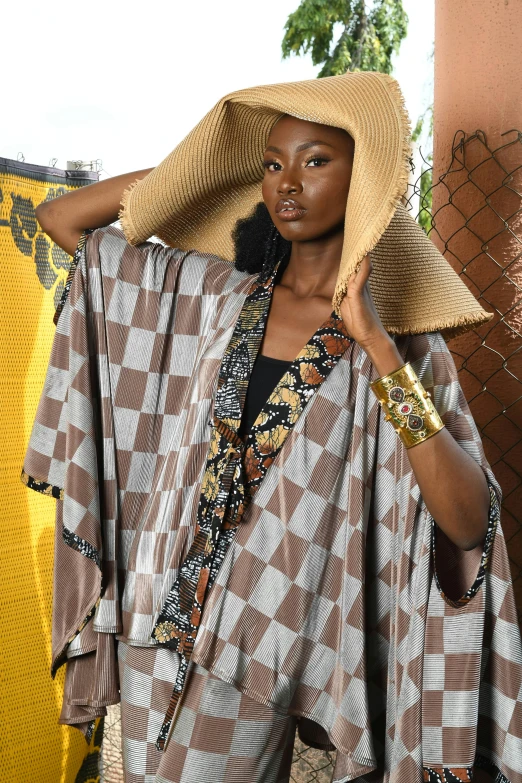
(287, 186)
(289, 183)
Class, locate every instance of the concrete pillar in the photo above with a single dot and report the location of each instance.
(478, 62)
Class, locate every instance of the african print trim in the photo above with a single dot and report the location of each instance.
(463, 774)
(70, 275)
(481, 762)
(493, 520)
(235, 469)
(61, 658)
(447, 774)
(82, 546)
(41, 486)
(71, 539)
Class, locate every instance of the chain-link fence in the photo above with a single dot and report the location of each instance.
(479, 230)
(476, 222)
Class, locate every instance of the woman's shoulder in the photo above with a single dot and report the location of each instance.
(197, 272)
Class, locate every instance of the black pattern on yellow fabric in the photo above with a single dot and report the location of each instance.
(89, 771)
(235, 469)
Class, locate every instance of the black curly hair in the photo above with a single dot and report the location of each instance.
(258, 244)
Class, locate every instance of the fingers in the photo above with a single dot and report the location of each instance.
(360, 278)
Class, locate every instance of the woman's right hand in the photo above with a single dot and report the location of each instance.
(64, 218)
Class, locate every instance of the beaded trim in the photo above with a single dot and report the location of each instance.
(463, 774)
(447, 774)
(493, 520)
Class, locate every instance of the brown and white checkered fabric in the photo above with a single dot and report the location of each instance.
(220, 734)
(327, 605)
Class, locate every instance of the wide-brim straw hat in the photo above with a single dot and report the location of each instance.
(194, 197)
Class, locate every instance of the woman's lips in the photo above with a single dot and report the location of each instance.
(287, 209)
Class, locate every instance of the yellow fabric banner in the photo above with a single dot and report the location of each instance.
(33, 271)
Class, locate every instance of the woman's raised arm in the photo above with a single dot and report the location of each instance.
(64, 218)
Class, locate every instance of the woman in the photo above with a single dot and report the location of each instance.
(306, 576)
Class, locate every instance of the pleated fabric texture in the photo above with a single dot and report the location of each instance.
(194, 197)
(220, 735)
(329, 604)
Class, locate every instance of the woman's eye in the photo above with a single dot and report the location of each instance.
(272, 165)
(317, 161)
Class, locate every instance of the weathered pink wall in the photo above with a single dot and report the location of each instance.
(478, 59)
(478, 85)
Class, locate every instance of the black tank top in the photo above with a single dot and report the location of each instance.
(266, 374)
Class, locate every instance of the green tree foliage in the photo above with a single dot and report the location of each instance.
(425, 183)
(358, 35)
(368, 35)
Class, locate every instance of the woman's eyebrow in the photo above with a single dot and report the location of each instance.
(309, 144)
(301, 147)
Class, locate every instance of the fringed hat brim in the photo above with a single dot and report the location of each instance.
(414, 287)
(193, 198)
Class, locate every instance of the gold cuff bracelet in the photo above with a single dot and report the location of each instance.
(407, 405)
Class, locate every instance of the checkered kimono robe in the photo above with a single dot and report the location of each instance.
(305, 562)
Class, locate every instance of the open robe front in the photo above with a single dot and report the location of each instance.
(327, 603)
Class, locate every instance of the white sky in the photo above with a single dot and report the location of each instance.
(125, 83)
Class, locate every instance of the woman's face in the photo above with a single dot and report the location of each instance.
(308, 168)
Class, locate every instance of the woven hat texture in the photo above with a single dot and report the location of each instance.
(194, 197)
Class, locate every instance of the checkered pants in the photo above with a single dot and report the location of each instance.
(219, 736)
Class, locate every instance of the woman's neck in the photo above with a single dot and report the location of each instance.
(313, 267)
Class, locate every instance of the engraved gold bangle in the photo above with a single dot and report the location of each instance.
(407, 405)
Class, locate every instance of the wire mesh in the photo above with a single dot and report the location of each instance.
(481, 237)
(310, 765)
(478, 228)
(111, 767)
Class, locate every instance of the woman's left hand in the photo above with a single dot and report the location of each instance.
(358, 310)
(364, 325)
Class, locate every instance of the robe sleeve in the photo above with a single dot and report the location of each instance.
(71, 456)
(458, 574)
(472, 664)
